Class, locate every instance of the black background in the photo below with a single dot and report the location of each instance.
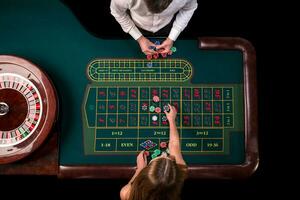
(249, 19)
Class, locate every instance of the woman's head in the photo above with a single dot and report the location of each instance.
(157, 6)
(161, 179)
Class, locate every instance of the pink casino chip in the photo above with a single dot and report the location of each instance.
(156, 99)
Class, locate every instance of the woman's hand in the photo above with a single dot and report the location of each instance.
(145, 44)
(141, 161)
(171, 115)
(166, 46)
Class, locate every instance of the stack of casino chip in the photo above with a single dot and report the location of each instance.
(154, 118)
(163, 145)
(163, 148)
(159, 51)
(157, 110)
(164, 118)
(149, 64)
(144, 107)
(151, 108)
(166, 108)
(156, 99)
(173, 49)
(155, 153)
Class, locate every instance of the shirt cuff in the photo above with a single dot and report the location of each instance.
(174, 34)
(135, 32)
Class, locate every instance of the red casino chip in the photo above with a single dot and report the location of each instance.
(156, 99)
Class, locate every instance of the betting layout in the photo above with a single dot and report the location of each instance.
(123, 109)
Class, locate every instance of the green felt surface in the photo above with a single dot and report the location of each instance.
(48, 34)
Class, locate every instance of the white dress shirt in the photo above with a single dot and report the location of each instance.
(140, 16)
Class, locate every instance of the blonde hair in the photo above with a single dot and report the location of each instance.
(162, 179)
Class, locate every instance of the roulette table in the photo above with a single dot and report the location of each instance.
(77, 106)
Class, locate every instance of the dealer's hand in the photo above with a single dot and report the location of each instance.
(166, 46)
(145, 44)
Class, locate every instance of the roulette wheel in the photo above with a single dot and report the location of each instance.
(28, 108)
